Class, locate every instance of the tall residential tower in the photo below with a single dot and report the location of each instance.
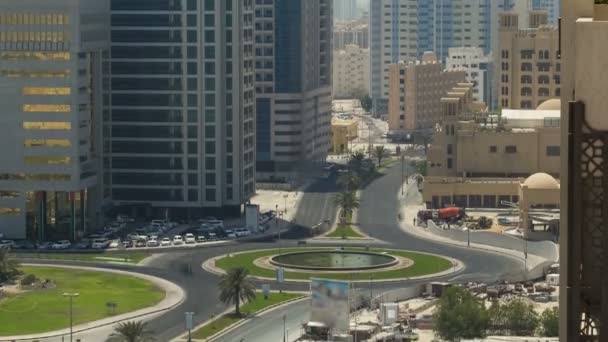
(180, 117)
(50, 91)
(293, 56)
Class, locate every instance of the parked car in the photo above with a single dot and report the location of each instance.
(165, 242)
(100, 243)
(114, 244)
(83, 244)
(62, 244)
(141, 243)
(178, 240)
(152, 243)
(240, 232)
(230, 234)
(45, 245)
(7, 243)
(127, 243)
(200, 238)
(212, 236)
(24, 244)
(189, 238)
(125, 218)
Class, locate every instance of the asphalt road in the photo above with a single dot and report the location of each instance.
(377, 216)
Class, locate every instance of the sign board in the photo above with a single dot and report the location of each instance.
(330, 304)
(280, 275)
(265, 290)
(252, 217)
(189, 320)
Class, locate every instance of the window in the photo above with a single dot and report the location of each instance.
(449, 148)
(553, 151)
(511, 149)
(449, 163)
(493, 149)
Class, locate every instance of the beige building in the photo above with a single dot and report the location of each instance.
(350, 72)
(349, 32)
(343, 131)
(480, 159)
(528, 64)
(415, 92)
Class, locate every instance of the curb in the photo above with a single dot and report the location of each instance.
(460, 266)
(183, 337)
(118, 319)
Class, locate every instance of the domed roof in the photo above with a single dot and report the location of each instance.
(541, 181)
(552, 104)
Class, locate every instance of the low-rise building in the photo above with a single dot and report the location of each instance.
(481, 159)
(350, 72)
(415, 92)
(349, 32)
(343, 131)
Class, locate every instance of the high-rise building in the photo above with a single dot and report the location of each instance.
(50, 90)
(345, 9)
(351, 32)
(293, 57)
(478, 68)
(405, 30)
(416, 89)
(350, 72)
(553, 8)
(529, 64)
(180, 120)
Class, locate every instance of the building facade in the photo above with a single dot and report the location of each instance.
(51, 91)
(293, 58)
(478, 68)
(345, 10)
(552, 7)
(415, 92)
(350, 72)
(180, 120)
(343, 132)
(529, 64)
(355, 32)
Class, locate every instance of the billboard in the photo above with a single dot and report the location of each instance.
(330, 304)
(252, 217)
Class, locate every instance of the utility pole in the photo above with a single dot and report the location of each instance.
(284, 330)
(71, 296)
(402, 176)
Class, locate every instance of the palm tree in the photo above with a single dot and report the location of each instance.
(355, 162)
(380, 153)
(347, 202)
(349, 181)
(235, 287)
(131, 332)
(9, 267)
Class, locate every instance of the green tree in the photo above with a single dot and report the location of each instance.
(519, 317)
(380, 153)
(459, 315)
(355, 162)
(549, 322)
(235, 286)
(420, 166)
(349, 181)
(366, 102)
(131, 332)
(347, 201)
(9, 267)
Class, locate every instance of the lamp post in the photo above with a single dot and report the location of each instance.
(284, 330)
(371, 294)
(285, 198)
(402, 175)
(469, 237)
(279, 226)
(71, 296)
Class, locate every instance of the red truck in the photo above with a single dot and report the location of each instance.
(445, 214)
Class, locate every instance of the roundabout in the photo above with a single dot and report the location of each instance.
(353, 264)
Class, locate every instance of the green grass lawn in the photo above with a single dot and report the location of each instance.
(348, 233)
(423, 264)
(46, 310)
(130, 257)
(250, 308)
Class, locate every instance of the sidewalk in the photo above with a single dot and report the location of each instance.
(410, 211)
(174, 295)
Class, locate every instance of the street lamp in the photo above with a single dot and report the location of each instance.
(371, 296)
(71, 296)
(279, 227)
(285, 198)
(284, 330)
(402, 162)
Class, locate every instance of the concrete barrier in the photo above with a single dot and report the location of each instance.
(398, 295)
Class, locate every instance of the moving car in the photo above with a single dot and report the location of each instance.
(62, 244)
(190, 238)
(178, 240)
(165, 242)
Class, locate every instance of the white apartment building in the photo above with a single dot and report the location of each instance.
(180, 117)
(293, 61)
(477, 67)
(50, 122)
(350, 72)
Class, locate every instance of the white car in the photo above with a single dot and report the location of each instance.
(230, 234)
(165, 242)
(242, 232)
(114, 244)
(7, 243)
(152, 243)
(178, 240)
(62, 244)
(100, 243)
(190, 238)
(200, 238)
